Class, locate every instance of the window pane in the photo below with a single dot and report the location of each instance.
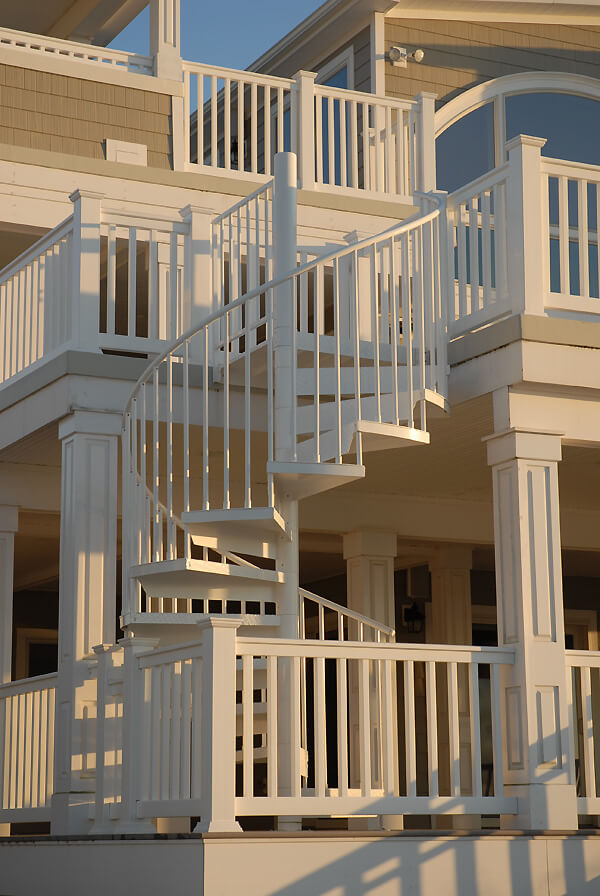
(570, 123)
(465, 150)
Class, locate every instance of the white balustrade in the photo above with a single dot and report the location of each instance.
(67, 49)
(364, 143)
(236, 121)
(27, 710)
(35, 302)
(321, 618)
(478, 261)
(585, 727)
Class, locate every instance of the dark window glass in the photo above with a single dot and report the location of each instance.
(571, 124)
(465, 150)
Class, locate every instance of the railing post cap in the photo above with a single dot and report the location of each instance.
(426, 95)
(138, 643)
(212, 622)
(190, 209)
(85, 194)
(306, 75)
(525, 140)
(523, 444)
(100, 649)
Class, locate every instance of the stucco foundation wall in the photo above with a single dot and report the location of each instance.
(40, 110)
(459, 55)
(305, 865)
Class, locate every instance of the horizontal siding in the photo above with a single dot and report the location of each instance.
(68, 115)
(361, 43)
(459, 55)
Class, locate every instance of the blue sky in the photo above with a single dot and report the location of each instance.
(232, 33)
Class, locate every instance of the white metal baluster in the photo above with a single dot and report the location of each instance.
(111, 278)
(226, 417)
(174, 327)
(196, 731)
(214, 111)
(432, 734)
(253, 128)
(227, 123)
(317, 313)
(486, 248)
(475, 728)
(342, 725)
(320, 730)
(366, 141)
(563, 227)
(474, 253)
(131, 281)
(395, 301)
(171, 532)
(343, 144)
(247, 414)
(364, 728)
(582, 226)
(186, 115)
(587, 724)
(389, 155)
(157, 539)
(240, 125)
(354, 144)
(356, 359)
(461, 237)
(165, 741)
(267, 127)
(319, 100)
(453, 730)
(331, 140)
(338, 362)
(497, 749)
(186, 438)
(295, 725)
(186, 726)
(375, 311)
(272, 758)
(389, 733)
(175, 733)
(248, 725)
(409, 727)
(205, 457)
(500, 242)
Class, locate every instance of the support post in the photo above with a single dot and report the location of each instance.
(85, 309)
(197, 284)
(87, 597)
(165, 37)
(425, 163)
(218, 725)
(535, 691)
(527, 228)
(305, 128)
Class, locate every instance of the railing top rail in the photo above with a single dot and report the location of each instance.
(416, 220)
(86, 52)
(56, 234)
(489, 179)
(26, 685)
(585, 658)
(449, 653)
(143, 220)
(563, 166)
(344, 611)
(362, 97)
(264, 188)
(237, 74)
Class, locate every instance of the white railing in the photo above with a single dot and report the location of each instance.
(364, 143)
(27, 748)
(66, 49)
(242, 257)
(141, 281)
(35, 301)
(585, 719)
(571, 194)
(322, 618)
(236, 121)
(478, 246)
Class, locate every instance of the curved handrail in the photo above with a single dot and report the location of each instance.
(416, 220)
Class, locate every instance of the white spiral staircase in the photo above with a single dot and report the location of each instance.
(278, 394)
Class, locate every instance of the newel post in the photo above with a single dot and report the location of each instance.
(528, 244)
(218, 725)
(425, 144)
(85, 289)
(165, 36)
(305, 128)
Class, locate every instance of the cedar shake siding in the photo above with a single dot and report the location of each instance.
(459, 55)
(73, 116)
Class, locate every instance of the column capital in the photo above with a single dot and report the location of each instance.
(521, 444)
(93, 423)
(213, 622)
(370, 543)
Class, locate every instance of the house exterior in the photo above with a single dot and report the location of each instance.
(299, 463)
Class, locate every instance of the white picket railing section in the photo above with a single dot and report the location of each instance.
(35, 301)
(585, 719)
(141, 282)
(571, 195)
(236, 121)
(478, 262)
(364, 142)
(67, 49)
(27, 748)
(322, 618)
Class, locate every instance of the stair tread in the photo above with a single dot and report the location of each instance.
(191, 568)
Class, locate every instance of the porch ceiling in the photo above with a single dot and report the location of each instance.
(87, 21)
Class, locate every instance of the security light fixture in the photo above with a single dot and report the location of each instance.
(413, 618)
(399, 56)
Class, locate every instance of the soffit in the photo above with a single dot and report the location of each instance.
(88, 21)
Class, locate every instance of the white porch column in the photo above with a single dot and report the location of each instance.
(85, 299)
(88, 549)
(165, 36)
(535, 691)
(9, 523)
(369, 557)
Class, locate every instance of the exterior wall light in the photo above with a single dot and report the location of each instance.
(413, 618)
(399, 56)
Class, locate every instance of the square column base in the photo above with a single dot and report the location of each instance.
(542, 807)
(70, 813)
